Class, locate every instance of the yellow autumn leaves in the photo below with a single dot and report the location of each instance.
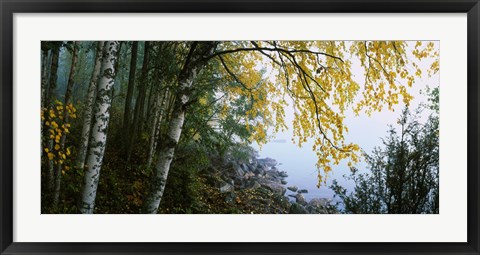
(317, 78)
(57, 128)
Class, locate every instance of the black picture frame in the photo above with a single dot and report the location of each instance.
(9, 7)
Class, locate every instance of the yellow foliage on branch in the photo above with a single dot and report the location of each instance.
(317, 79)
(56, 129)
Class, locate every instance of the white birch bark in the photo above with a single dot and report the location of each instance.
(98, 136)
(195, 61)
(87, 116)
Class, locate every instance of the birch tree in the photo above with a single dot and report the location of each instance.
(194, 62)
(50, 90)
(98, 137)
(87, 117)
(61, 146)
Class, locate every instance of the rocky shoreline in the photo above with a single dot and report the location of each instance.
(263, 174)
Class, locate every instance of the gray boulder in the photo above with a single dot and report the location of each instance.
(292, 188)
(297, 209)
(238, 170)
(260, 170)
(319, 202)
(226, 188)
(320, 206)
(244, 167)
(271, 174)
(300, 199)
(255, 185)
(316, 210)
(252, 184)
(302, 191)
(273, 186)
(268, 162)
(248, 175)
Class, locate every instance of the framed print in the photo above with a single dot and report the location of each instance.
(246, 127)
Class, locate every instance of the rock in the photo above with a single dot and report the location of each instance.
(260, 170)
(269, 162)
(244, 167)
(319, 202)
(292, 188)
(238, 169)
(255, 185)
(226, 188)
(253, 164)
(300, 199)
(271, 174)
(283, 182)
(316, 210)
(297, 209)
(252, 184)
(321, 206)
(282, 174)
(273, 186)
(248, 175)
(302, 191)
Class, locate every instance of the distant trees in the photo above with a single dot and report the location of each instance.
(56, 117)
(403, 176)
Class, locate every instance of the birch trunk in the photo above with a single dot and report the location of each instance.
(52, 82)
(52, 85)
(68, 95)
(158, 109)
(87, 118)
(98, 136)
(193, 64)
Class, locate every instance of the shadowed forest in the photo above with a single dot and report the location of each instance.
(151, 127)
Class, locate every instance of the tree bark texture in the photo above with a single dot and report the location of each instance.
(87, 115)
(98, 136)
(193, 64)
